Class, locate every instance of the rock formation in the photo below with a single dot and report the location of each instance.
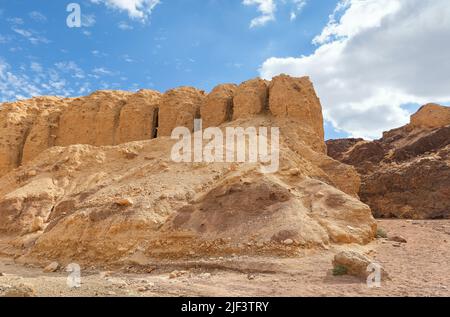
(405, 174)
(218, 106)
(178, 108)
(91, 179)
(250, 99)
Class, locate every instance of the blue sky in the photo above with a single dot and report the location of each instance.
(181, 42)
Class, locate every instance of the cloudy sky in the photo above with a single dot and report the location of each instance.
(373, 62)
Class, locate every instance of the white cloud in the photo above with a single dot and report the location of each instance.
(15, 21)
(70, 67)
(62, 79)
(373, 57)
(101, 71)
(298, 7)
(36, 67)
(37, 16)
(127, 58)
(124, 26)
(137, 9)
(31, 35)
(4, 39)
(88, 20)
(267, 9)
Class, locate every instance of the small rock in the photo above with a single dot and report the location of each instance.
(288, 242)
(251, 277)
(105, 274)
(129, 154)
(176, 274)
(205, 275)
(124, 202)
(52, 267)
(142, 289)
(294, 172)
(1, 274)
(355, 264)
(32, 173)
(398, 239)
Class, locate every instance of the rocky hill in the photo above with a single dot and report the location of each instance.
(91, 179)
(405, 174)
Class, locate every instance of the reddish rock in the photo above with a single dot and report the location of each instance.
(406, 174)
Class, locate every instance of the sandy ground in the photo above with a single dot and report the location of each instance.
(418, 268)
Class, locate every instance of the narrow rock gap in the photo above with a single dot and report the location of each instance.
(230, 110)
(266, 102)
(198, 114)
(155, 123)
(22, 145)
(117, 116)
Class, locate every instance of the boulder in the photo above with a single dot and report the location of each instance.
(356, 264)
(52, 267)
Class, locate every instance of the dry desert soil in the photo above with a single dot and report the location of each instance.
(419, 267)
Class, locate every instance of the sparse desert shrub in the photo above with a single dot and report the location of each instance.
(381, 234)
(340, 270)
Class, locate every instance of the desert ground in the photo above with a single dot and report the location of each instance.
(416, 268)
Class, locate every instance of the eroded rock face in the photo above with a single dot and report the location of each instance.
(296, 98)
(94, 203)
(179, 107)
(250, 98)
(19, 135)
(406, 174)
(27, 128)
(139, 117)
(218, 106)
(97, 118)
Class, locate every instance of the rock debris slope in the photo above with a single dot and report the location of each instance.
(405, 174)
(91, 180)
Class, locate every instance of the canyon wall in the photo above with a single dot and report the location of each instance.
(29, 127)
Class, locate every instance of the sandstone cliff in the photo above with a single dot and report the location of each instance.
(91, 179)
(406, 174)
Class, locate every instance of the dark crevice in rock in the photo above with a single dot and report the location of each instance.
(116, 123)
(155, 123)
(22, 145)
(230, 110)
